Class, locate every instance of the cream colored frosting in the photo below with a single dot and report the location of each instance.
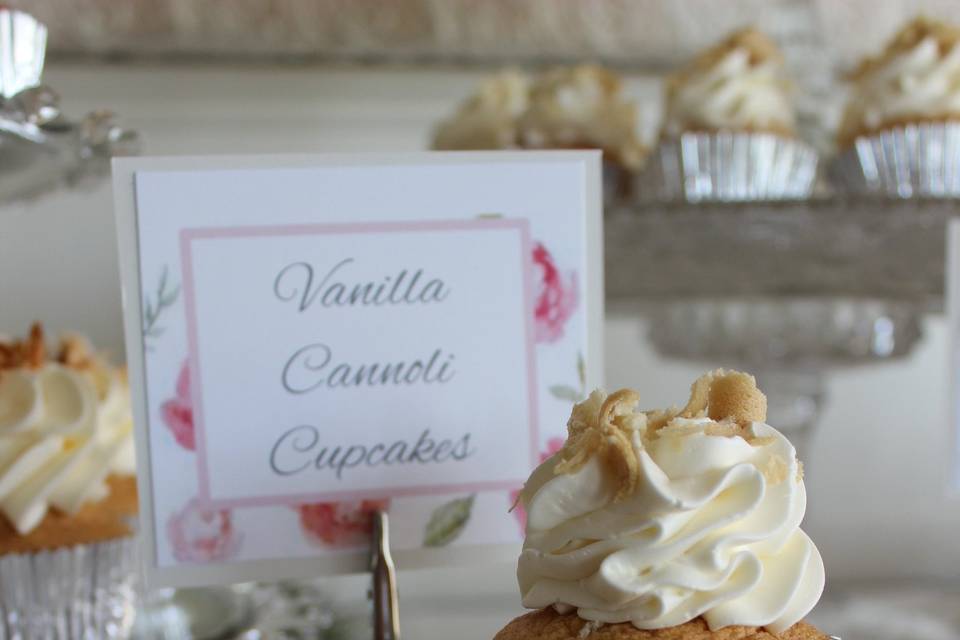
(710, 525)
(63, 430)
(921, 82)
(582, 106)
(734, 93)
(487, 120)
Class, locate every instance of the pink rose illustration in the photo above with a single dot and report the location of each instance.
(556, 296)
(177, 412)
(553, 445)
(340, 524)
(202, 535)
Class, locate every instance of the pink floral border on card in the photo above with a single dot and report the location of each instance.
(187, 236)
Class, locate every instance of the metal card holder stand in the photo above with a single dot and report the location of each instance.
(383, 590)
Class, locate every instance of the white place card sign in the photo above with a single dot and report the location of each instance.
(313, 338)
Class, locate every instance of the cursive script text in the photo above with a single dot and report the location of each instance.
(300, 449)
(295, 282)
(312, 367)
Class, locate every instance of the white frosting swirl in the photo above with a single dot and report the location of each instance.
(732, 94)
(62, 432)
(920, 82)
(712, 529)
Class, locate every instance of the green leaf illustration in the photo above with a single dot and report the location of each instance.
(163, 279)
(447, 522)
(153, 309)
(565, 392)
(170, 297)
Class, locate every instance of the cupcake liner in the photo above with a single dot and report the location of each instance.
(903, 162)
(729, 167)
(81, 592)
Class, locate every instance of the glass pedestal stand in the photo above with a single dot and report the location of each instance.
(789, 344)
(214, 612)
(290, 610)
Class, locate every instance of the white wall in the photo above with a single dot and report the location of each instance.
(879, 503)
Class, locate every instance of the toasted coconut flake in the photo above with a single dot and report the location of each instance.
(726, 396)
(75, 352)
(659, 418)
(35, 349)
(776, 470)
(700, 395)
(608, 434)
(726, 429)
(761, 441)
(723, 404)
(30, 352)
(9, 355)
(734, 396)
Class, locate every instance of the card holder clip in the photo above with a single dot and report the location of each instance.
(386, 606)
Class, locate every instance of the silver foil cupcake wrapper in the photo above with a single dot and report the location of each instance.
(81, 592)
(909, 161)
(729, 167)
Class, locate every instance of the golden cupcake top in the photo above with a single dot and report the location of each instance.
(914, 80)
(736, 85)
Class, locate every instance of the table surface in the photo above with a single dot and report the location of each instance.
(474, 603)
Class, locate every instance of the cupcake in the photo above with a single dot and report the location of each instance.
(729, 128)
(580, 107)
(673, 524)
(67, 490)
(899, 132)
